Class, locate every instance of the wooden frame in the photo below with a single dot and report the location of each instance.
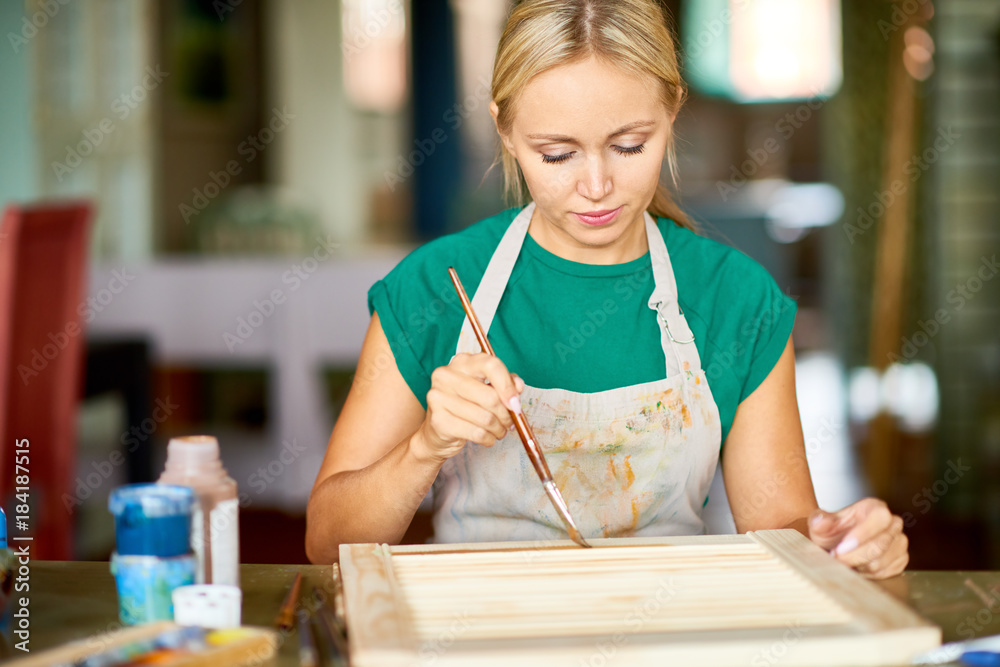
(742, 600)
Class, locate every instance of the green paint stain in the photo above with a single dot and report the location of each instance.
(613, 448)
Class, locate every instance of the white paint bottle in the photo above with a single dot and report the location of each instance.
(215, 533)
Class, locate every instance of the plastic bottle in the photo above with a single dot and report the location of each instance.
(215, 536)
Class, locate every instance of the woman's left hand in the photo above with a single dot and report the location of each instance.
(865, 536)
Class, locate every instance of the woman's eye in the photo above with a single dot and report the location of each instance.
(554, 159)
(630, 150)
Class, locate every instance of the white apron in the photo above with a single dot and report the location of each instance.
(637, 460)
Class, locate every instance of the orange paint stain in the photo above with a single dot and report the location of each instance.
(635, 515)
(686, 415)
(611, 466)
(629, 475)
(697, 380)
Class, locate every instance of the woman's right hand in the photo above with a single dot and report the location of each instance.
(468, 400)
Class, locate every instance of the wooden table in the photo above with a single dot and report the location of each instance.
(74, 600)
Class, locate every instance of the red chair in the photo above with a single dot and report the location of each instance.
(43, 261)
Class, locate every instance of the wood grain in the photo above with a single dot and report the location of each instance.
(706, 599)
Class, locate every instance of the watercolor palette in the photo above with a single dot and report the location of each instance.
(720, 600)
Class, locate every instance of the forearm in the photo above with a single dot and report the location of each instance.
(373, 504)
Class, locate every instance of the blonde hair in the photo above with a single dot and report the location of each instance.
(630, 34)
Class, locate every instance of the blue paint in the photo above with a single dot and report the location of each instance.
(146, 584)
(981, 658)
(152, 519)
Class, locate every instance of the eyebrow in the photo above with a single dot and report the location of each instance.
(621, 130)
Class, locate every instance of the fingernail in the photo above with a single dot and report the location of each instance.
(815, 521)
(849, 544)
(515, 404)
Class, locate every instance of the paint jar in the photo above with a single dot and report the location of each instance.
(152, 519)
(146, 583)
(152, 549)
(193, 461)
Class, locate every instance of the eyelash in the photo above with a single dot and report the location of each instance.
(622, 150)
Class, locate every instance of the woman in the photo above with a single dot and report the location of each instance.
(643, 347)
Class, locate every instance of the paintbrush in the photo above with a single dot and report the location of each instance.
(332, 629)
(521, 424)
(286, 615)
(307, 647)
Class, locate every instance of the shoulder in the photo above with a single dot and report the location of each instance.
(691, 251)
(469, 251)
(718, 282)
(416, 303)
(743, 316)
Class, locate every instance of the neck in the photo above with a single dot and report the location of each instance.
(631, 244)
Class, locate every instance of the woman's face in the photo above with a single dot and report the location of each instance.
(590, 139)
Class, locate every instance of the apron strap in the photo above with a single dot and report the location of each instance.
(494, 282)
(676, 338)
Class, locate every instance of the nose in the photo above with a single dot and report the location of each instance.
(595, 181)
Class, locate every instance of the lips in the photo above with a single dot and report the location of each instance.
(598, 218)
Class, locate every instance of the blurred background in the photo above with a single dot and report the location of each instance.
(200, 193)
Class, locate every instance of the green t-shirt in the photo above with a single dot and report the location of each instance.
(585, 327)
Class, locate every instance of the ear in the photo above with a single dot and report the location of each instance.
(678, 100)
(505, 138)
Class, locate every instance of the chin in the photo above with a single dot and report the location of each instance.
(594, 236)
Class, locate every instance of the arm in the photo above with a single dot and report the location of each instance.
(386, 450)
(767, 480)
(373, 476)
(764, 461)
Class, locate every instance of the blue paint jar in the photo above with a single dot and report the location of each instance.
(146, 583)
(152, 519)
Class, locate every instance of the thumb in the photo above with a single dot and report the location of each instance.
(825, 528)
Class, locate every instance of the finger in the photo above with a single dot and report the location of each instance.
(827, 529)
(457, 387)
(477, 415)
(894, 567)
(464, 375)
(869, 517)
(879, 548)
(490, 369)
(459, 427)
(518, 382)
(898, 549)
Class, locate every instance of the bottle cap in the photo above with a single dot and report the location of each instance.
(193, 455)
(208, 605)
(152, 519)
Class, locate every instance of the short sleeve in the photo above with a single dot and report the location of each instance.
(416, 303)
(400, 342)
(767, 330)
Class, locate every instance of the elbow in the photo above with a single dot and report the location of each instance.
(321, 547)
(321, 554)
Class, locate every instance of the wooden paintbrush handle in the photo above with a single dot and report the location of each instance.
(531, 446)
(520, 423)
